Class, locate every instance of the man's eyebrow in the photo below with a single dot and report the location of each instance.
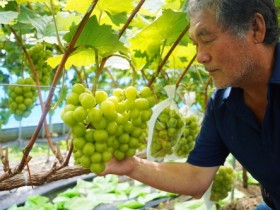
(200, 33)
(203, 32)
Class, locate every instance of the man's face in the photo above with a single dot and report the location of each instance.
(228, 59)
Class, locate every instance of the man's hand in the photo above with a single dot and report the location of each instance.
(119, 167)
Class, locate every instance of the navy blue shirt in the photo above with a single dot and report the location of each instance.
(230, 127)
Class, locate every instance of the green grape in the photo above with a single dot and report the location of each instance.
(79, 143)
(141, 103)
(97, 167)
(128, 127)
(119, 93)
(100, 147)
(106, 156)
(112, 128)
(78, 130)
(124, 138)
(96, 157)
(130, 92)
(145, 92)
(101, 124)
(89, 135)
(134, 113)
(133, 142)
(73, 98)
(88, 149)
(87, 100)
(100, 96)
(94, 114)
(85, 161)
(80, 114)
(130, 152)
(100, 135)
(119, 155)
(129, 104)
(78, 88)
(115, 100)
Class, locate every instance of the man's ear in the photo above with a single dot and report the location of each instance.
(258, 28)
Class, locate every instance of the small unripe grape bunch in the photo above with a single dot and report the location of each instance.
(22, 97)
(166, 132)
(188, 136)
(39, 55)
(223, 183)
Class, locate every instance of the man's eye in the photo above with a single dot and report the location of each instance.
(207, 41)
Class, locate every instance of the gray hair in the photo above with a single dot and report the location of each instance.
(235, 16)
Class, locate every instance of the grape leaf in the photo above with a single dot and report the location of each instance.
(7, 17)
(81, 57)
(77, 5)
(111, 6)
(100, 37)
(181, 55)
(166, 28)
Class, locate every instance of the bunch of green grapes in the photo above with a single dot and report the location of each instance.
(22, 97)
(223, 183)
(166, 132)
(39, 54)
(106, 126)
(187, 139)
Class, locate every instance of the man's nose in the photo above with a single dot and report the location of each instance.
(203, 57)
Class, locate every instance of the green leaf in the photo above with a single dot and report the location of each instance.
(77, 5)
(100, 37)
(155, 195)
(140, 190)
(132, 204)
(81, 203)
(7, 17)
(165, 29)
(44, 24)
(80, 58)
(181, 55)
(70, 193)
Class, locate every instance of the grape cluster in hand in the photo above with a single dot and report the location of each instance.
(106, 126)
(22, 97)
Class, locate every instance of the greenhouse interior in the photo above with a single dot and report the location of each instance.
(86, 83)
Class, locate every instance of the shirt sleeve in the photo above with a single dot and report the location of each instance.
(209, 149)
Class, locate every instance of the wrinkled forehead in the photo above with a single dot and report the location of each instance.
(202, 20)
